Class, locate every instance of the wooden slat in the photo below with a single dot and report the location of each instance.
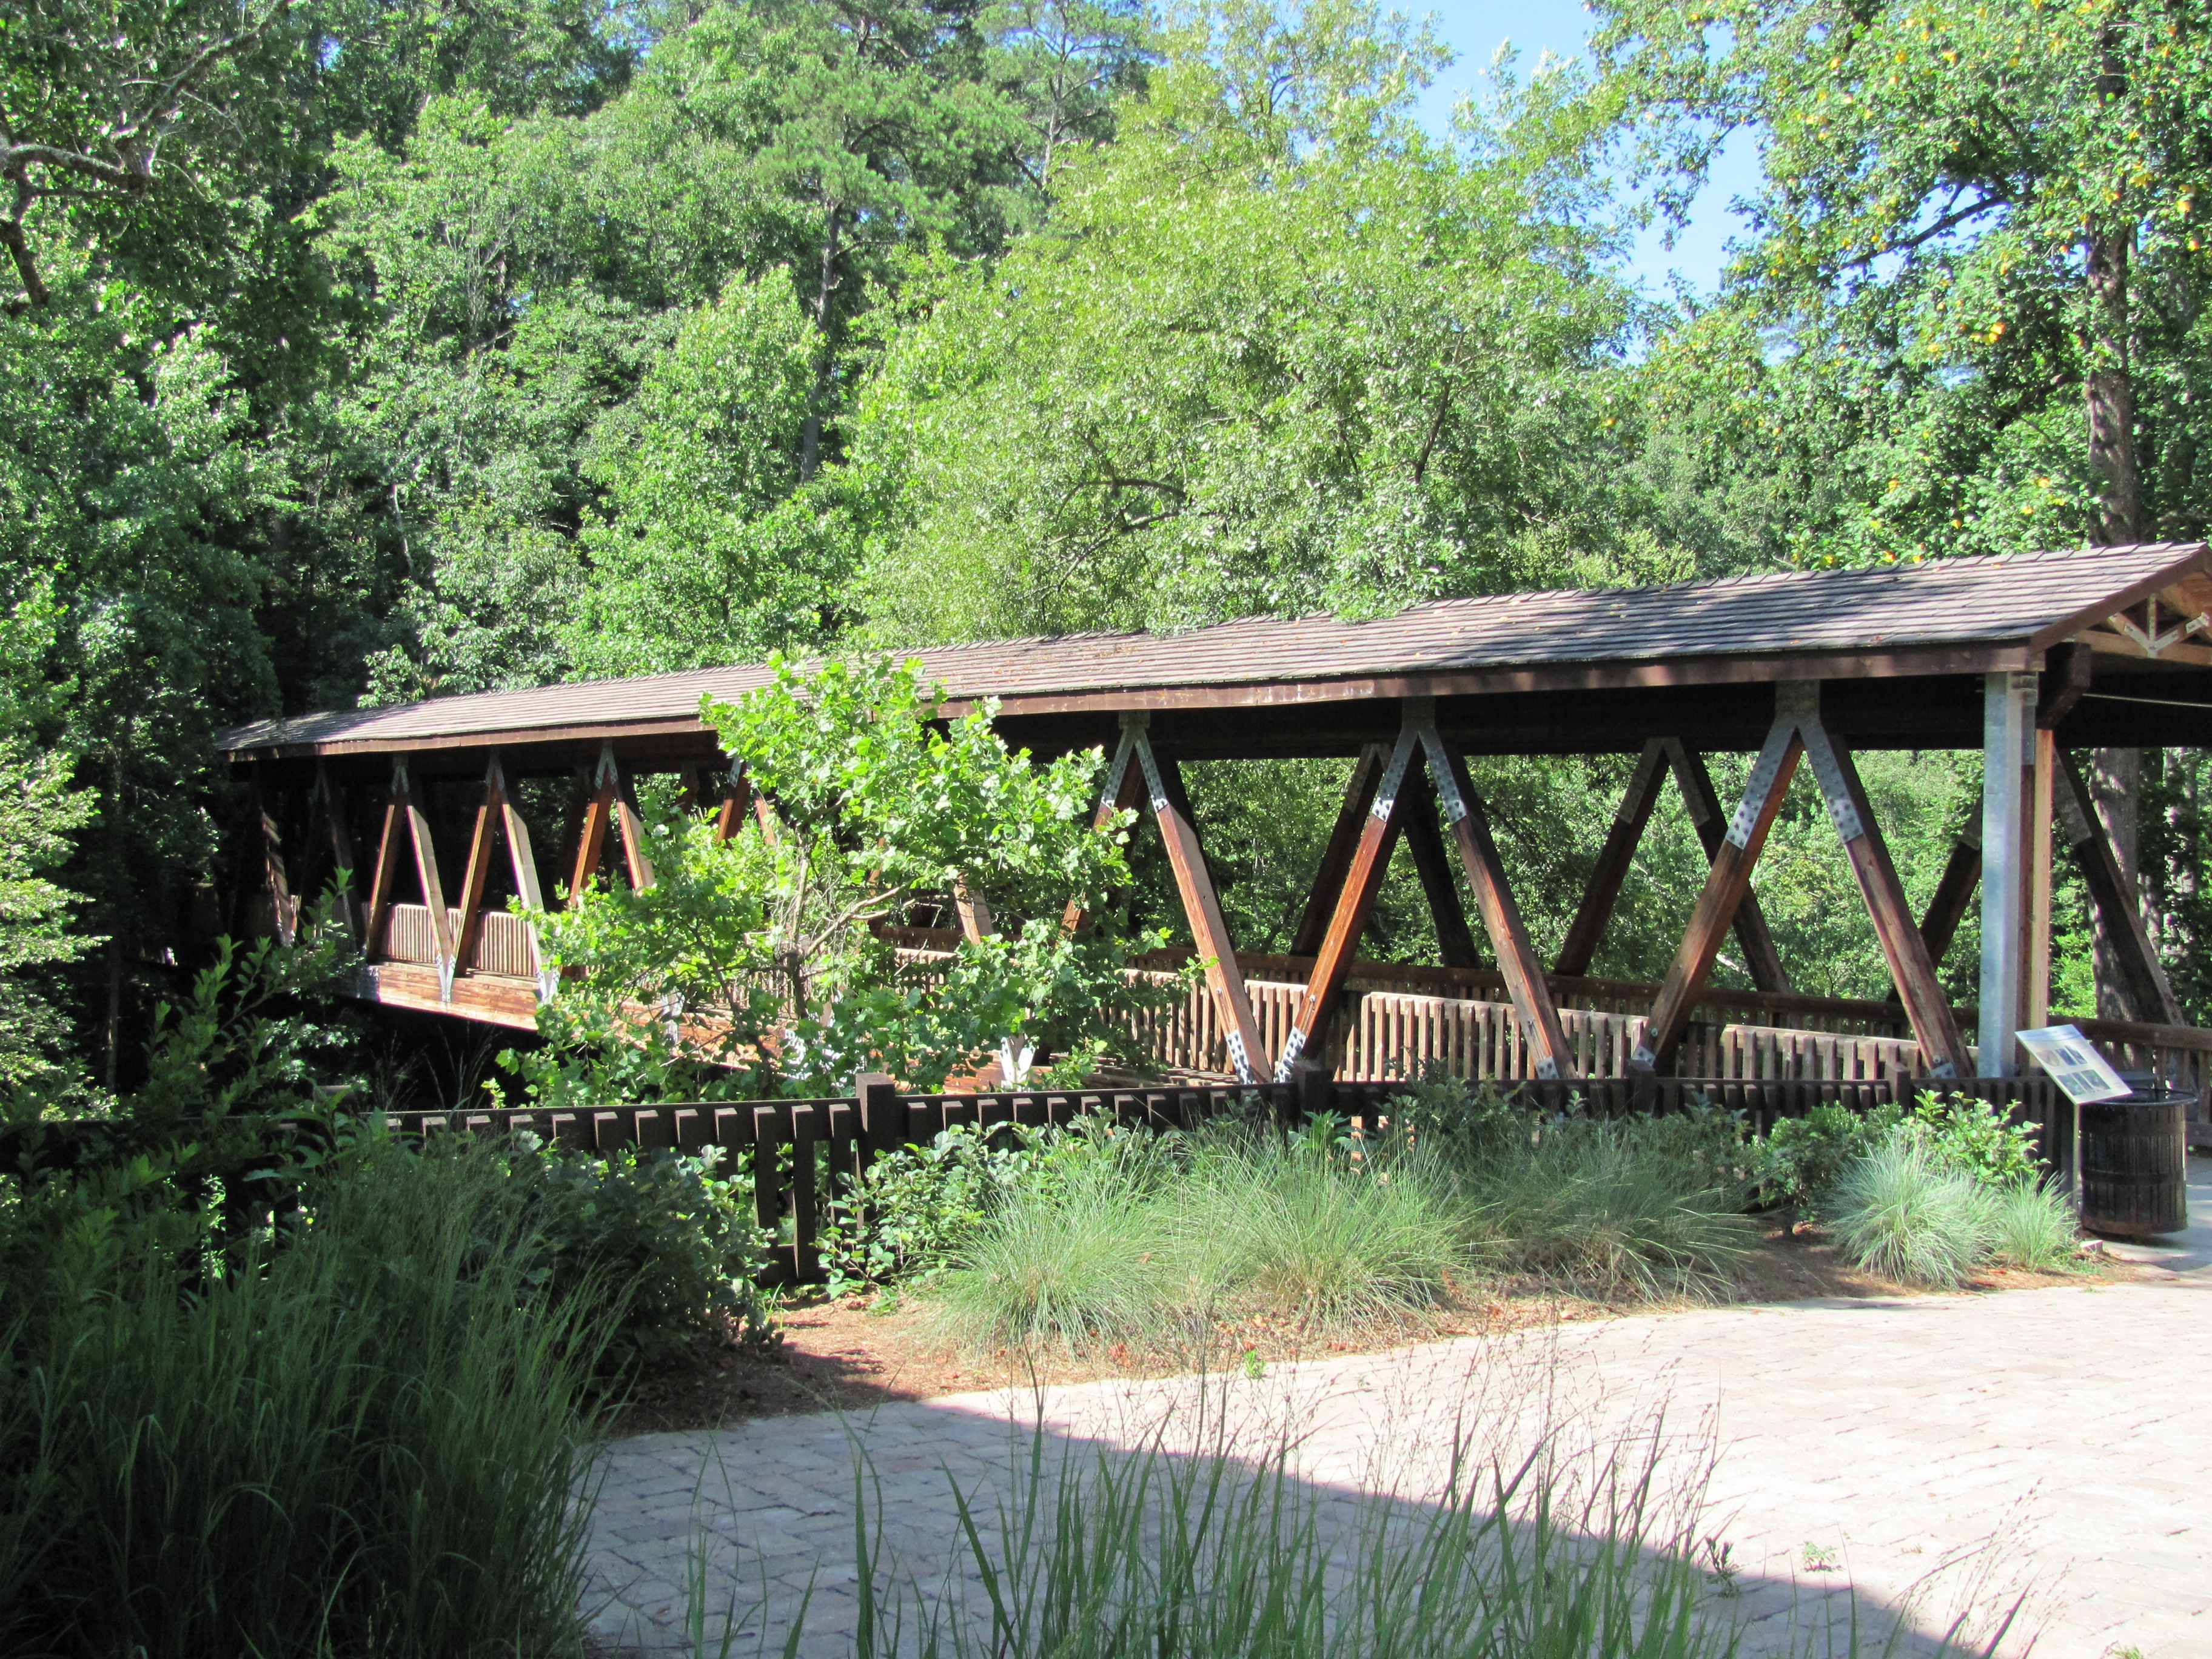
(1202, 909)
(1355, 904)
(1501, 916)
(1614, 859)
(1911, 966)
(1726, 883)
(2150, 997)
(1336, 858)
(1416, 817)
(1762, 958)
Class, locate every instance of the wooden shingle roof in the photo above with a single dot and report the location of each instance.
(1949, 616)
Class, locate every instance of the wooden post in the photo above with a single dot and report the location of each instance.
(1493, 898)
(632, 824)
(1911, 966)
(387, 861)
(1355, 903)
(1336, 857)
(736, 801)
(1611, 869)
(974, 909)
(1761, 959)
(2036, 1012)
(1726, 884)
(2150, 996)
(1201, 909)
(2008, 746)
(1417, 818)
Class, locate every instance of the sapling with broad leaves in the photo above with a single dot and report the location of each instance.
(761, 964)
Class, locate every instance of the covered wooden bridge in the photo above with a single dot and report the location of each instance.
(2031, 659)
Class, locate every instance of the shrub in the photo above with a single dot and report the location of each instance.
(1902, 1211)
(367, 1437)
(661, 1230)
(1799, 1158)
(1974, 1137)
(2031, 1226)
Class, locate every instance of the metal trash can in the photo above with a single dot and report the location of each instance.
(2134, 1161)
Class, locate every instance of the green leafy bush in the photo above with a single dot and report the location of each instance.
(661, 1237)
(1973, 1137)
(1902, 1211)
(1799, 1159)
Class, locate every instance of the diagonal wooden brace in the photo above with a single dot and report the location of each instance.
(1611, 869)
(1761, 958)
(1355, 905)
(1539, 1016)
(1336, 857)
(2150, 995)
(1726, 883)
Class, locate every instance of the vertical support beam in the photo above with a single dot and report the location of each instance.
(1611, 869)
(1202, 909)
(1432, 863)
(1761, 959)
(2008, 746)
(1123, 790)
(1336, 857)
(2150, 997)
(1355, 904)
(1726, 883)
(1508, 935)
(1910, 967)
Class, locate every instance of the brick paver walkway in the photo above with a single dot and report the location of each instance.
(1948, 1455)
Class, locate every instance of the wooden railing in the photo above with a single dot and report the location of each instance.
(506, 948)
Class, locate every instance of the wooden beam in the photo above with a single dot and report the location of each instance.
(1493, 897)
(2041, 778)
(1727, 881)
(591, 833)
(974, 909)
(1432, 863)
(1954, 893)
(1336, 857)
(387, 861)
(433, 888)
(1910, 967)
(631, 821)
(736, 801)
(1614, 859)
(2068, 668)
(1762, 958)
(329, 804)
(1355, 904)
(1123, 790)
(1202, 909)
(491, 821)
(284, 908)
(2150, 997)
(2008, 749)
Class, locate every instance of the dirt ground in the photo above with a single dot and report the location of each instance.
(859, 1351)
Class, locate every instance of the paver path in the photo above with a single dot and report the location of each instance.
(2056, 1442)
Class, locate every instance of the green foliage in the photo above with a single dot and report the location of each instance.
(1979, 1141)
(371, 1438)
(38, 814)
(2032, 1225)
(763, 954)
(660, 1235)
(1800, 1157)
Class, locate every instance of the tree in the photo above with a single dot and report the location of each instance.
(1273, 351)
(758, 962)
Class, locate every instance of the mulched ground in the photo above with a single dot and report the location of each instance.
(860, 1352)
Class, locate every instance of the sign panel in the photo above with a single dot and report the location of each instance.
(2074, 1064)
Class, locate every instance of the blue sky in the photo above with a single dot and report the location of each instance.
(1473, 28)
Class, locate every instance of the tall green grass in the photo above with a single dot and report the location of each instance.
(369, 1440)
(1900, 1210)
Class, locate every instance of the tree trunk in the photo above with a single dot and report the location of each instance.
(825, 288)
(2115, 775)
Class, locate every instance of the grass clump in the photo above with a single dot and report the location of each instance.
(366, 1438)
(1902, 1211)
(2032, 1225)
